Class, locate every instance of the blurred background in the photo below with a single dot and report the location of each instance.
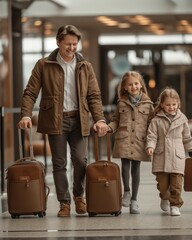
(150, 36)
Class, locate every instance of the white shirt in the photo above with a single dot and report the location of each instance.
(70, 91)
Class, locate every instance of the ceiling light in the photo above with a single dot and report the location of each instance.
(101, 18)
(131, 19)
(152, 83)
(24, 19)
(123, 25)
(49, 25)
(184, 22)
(111, 23)
(145, 22)
(38, 23)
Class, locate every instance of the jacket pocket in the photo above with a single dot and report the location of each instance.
(123, 110)
(48, 114)
(121, 134)
(46, 104)
(180, 154)
(144, 110)
(141, 136)
(123, 116)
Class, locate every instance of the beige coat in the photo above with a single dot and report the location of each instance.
(170, 141)
(130, 126)
(48, 76)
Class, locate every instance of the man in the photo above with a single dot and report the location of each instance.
(69, 93)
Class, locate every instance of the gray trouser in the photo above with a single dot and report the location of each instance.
(78, 149)
(135, 174)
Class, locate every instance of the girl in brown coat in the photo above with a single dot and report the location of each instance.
(168, 139)
(130, 120)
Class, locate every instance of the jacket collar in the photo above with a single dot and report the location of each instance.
(53, 56)
(162, 113)
(144, 98)
(179, 115)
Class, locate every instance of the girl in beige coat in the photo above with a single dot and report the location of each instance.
(168, 139)
(129, 122)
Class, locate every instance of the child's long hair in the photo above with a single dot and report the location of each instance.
(121, 88)
(167, 92)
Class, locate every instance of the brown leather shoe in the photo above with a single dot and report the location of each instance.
(80, 205)
(64, 210)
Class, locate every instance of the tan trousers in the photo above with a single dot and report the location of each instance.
(170, 187)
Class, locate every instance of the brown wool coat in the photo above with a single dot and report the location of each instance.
(48, 76)
(130, 127)
(170, 141)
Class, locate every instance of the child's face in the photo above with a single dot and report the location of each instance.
(170, 105)
(133, 86)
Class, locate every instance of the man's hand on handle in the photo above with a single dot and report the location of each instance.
(25, 122)
(101, 128)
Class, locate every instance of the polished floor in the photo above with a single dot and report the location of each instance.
(151, 223)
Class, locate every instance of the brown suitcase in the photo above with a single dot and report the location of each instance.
(103, 185)
(188, 175)
(27, 192)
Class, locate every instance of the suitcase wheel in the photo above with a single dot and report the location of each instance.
(92, 214)
(41, 214)
(15, 215)
(117, 213)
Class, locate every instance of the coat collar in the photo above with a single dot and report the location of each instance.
(161, 113)
(53, 56)
(178, 120)
(144, 99)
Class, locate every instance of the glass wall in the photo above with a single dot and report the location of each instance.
(5, 83)
(6, 96)
(160, 64)
(163, 60)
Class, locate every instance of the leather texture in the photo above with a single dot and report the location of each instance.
(103, 186)
(188, 175)
(26, 189)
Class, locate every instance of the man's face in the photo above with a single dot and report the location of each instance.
(68, 47)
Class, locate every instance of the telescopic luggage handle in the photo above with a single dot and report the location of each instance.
(30, 143)
(97, 146)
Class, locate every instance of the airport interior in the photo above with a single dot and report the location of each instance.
(153, 37)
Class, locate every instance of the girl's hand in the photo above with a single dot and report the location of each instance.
(101, 128)
(149, 151)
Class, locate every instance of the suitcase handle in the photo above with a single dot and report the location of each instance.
(97, 146)
(47, 194)
(30, 143)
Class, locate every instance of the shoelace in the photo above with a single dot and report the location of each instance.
(63, 205)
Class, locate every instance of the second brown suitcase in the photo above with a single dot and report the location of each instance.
(27, 192)
(103, 185)
(188, 175)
